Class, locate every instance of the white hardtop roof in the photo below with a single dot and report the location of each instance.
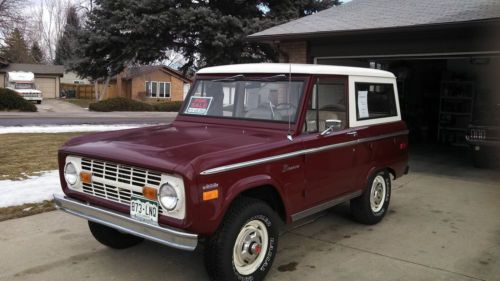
(21, 76)
(283, 68)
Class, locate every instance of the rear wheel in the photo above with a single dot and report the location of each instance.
(244, 246)
(371, 206)
(113, 238)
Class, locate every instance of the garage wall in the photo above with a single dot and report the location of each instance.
(48, 85)
(2, 80)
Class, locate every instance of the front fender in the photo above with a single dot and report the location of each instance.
(230, 193)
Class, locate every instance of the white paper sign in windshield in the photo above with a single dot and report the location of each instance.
(198, 105)
(363, 104)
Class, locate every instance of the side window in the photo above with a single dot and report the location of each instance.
(375, 100)
(327, 106)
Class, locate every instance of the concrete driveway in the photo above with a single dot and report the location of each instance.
(443, 224)
(59, 106)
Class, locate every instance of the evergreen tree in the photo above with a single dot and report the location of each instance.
(15, 48)
(36, 53)
(120, 32)
(66, 45)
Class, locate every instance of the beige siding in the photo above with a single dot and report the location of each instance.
(2, 80)
(48, 86)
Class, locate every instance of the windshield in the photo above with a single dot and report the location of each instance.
(275, 101)
(25, 86)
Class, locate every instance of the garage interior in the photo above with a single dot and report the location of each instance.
(440, 96)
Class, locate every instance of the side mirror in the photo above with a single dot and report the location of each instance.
(331, 125)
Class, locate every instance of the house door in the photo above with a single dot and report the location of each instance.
(330, 154)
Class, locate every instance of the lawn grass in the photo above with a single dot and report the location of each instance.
(81, 102)
(23, 155)
(25, 210)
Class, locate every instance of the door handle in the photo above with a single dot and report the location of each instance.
(353, 133)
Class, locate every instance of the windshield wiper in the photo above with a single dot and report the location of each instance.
(230, 79)
(274, 78)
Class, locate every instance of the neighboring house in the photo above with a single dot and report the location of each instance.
(445, 54)
(47, 77)
(71, 77)
(152, 83)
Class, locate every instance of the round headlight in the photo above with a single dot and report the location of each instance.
(70, 173)
(168, 197)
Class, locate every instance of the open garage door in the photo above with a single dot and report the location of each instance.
(47, 86)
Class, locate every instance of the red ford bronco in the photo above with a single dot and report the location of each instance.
(254, 145)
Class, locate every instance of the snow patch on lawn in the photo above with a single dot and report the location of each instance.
(67, 128)
(35, 189)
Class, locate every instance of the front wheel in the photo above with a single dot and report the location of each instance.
(244, 246)
(372, 205)
(113, 238)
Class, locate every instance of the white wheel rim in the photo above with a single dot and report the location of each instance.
(250, 247)
(377, 194)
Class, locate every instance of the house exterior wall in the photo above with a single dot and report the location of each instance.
(2, 80)
(70, 78)
(293, 52)
(138, 86)
(440, 41)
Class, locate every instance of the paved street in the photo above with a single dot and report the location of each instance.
(74, 120)
(443, 224)
(59, 112)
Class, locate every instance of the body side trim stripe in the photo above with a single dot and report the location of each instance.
(297, 153)
(324, 206)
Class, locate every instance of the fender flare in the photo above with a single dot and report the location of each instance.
(245, 184)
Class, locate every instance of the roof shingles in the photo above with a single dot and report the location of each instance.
(379, 14)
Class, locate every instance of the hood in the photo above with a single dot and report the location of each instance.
(174, 147)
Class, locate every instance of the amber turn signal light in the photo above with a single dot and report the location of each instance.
(150, 193)
(86, 177)
(210, 195)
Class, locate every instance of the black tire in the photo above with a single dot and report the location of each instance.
(113, 238)
(219, 261)
(361, 208)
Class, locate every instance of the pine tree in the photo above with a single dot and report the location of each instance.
(36, 54)
(15, 48)
(120, 32)
(66, 45)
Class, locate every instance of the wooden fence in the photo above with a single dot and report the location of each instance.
(86, 91)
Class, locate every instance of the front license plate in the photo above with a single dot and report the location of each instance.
(144, 210)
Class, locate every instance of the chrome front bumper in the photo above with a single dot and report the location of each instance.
(163, 235)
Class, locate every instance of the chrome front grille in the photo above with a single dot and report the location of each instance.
(121, 173)
(117, 182)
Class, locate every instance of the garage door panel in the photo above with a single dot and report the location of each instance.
(47, 86)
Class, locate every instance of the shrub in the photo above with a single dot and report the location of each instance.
(124, 104)
(120, 104)
(170, 106)
(10, 100)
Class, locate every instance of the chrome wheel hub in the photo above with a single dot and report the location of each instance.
(250, 247)
(378, 193)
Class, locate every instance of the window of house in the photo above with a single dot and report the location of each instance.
(156, 89)
(375, 100)
(327, 104)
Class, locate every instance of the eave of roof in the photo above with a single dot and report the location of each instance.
(322, 34)
(158, 68)
(37, 69)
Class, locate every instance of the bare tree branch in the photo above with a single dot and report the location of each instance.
(10, 15)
